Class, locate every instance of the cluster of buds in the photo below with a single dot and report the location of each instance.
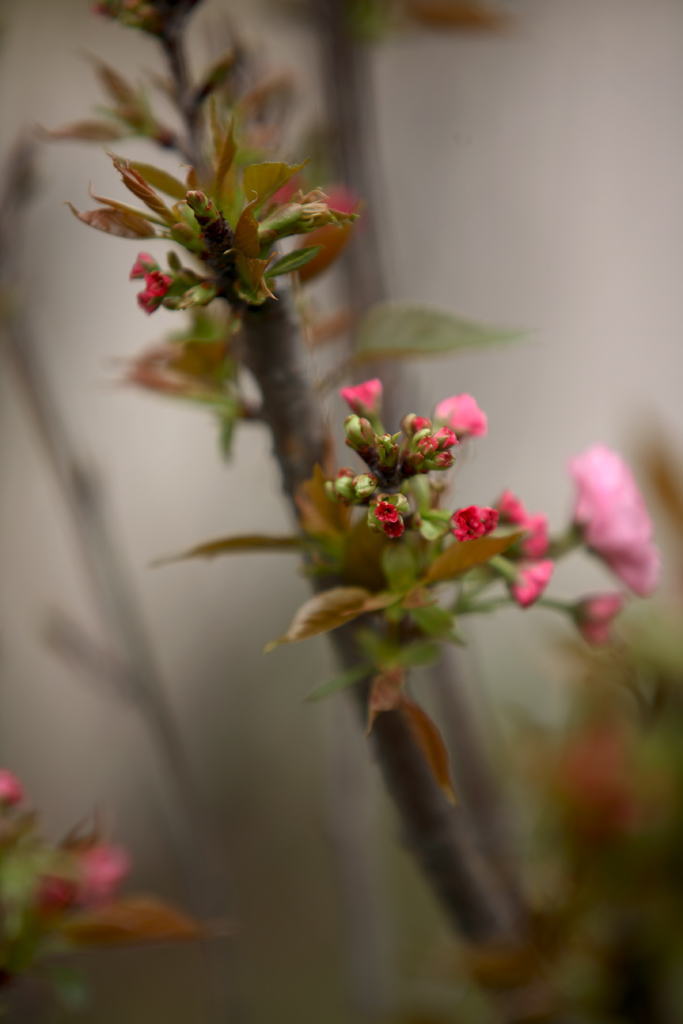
(426, 450)
(391, 460)
(350, 488)
(180, 289)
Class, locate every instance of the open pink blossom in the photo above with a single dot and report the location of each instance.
(613, 519)
(595, 614)
(462, 414)
(364, 399)
(11, 789)
(473, 522)
(103, 868)
(532, 579)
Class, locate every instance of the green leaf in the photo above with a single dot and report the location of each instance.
(266, 178)
(160, 179)
(294, 260)
(340, 682)
(434, 619)
(464, 555)
(328, 610)
(415, 655)
(432, 529)
(234, 545)
(406, 329)
(399, 565)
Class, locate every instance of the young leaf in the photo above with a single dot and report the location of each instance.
(250, 542)
(135, 182)
(224, 159)
(340, 682)
(328, 610)
(246, 232)
(430, 741)
(115, 84)
(464, 555)
(405, 329)
(266, 178)
(115, 222)
(160, 179)
(294, 260)
(419, 654)
(129, 921)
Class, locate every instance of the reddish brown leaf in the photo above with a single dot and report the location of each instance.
(317, 513)
(430, 741)
(115, 222)
(246, 232)
(463, 14)
(464, 555)
(329, 610)
(130, 921)
(333, 240)
(115, 84)
(385, 694)
(135, 182)
(88, 131)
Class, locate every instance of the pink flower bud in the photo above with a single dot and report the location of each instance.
(413, 424)
(442, 460)
(427, 446)
(364, 399)
(103, 868)
(386, 512)
(536, 542)
(11, 790)
(473, 522)
(462, 414)
(156, 286)
(532, 580)
(446, 438)
(594, 616)
(614, 521)
(144, 264)
(511, 509)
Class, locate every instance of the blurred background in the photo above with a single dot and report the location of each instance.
(527, 177)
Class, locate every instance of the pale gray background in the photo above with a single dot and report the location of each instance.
(531, 178)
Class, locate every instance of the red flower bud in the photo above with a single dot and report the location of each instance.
(11, 790)
(144, 264)
(394, 529)
(156, 286)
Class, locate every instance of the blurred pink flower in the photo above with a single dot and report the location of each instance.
(462, 414)
(103, 868)
(11, 790)
(532, 579)
(536, 542)
(613, 519)
(364, 399)
(594, 616)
